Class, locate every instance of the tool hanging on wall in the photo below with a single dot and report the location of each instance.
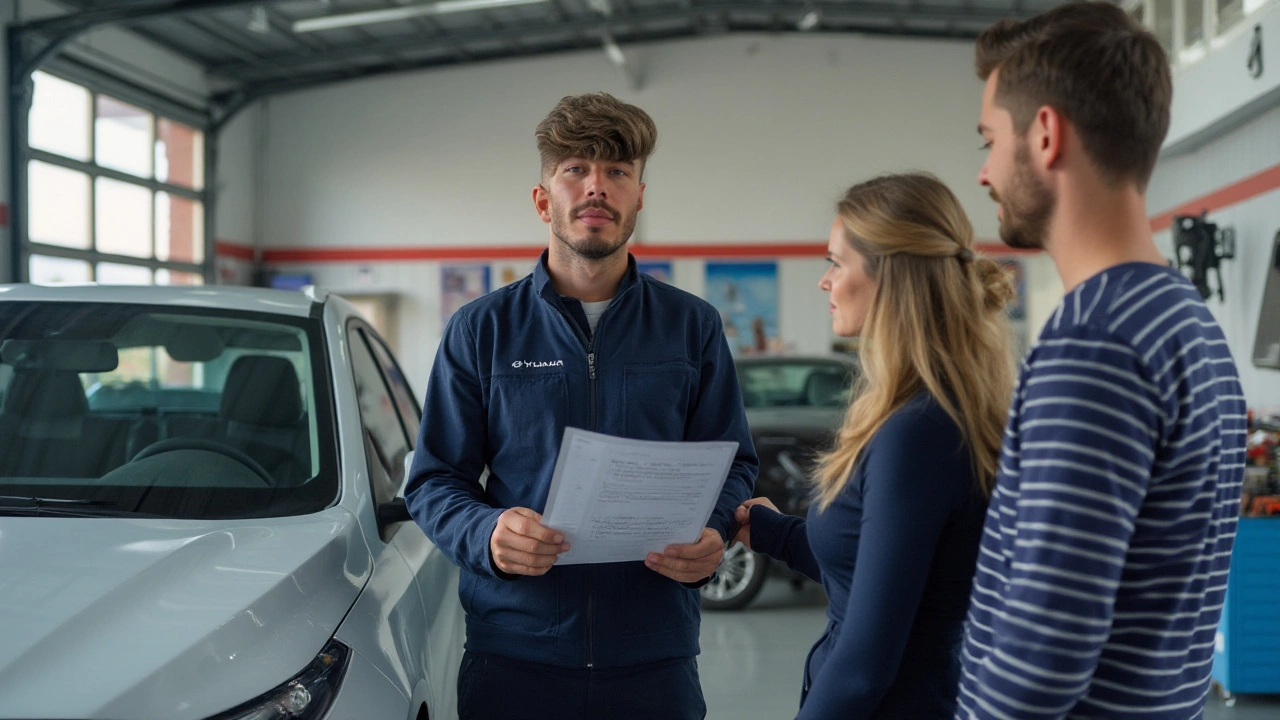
(1255, 53)
(1199, 247)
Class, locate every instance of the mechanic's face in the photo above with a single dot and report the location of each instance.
(591, 205)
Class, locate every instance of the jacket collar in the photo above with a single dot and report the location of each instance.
(542, 278)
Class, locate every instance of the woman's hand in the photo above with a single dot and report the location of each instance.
(742, 520)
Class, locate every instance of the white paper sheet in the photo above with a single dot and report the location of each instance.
(617, 499)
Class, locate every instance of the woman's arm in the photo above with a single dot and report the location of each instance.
(782, 537)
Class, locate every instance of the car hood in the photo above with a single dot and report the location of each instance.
(174, 619)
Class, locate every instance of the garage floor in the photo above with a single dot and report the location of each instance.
(752, 659)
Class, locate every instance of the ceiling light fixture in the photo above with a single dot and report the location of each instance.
(370, 17)
(614, 52)
(258, 20)
(809, 20)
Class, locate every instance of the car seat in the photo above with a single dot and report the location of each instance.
(262, 414)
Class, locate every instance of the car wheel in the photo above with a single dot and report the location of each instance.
(737, 581)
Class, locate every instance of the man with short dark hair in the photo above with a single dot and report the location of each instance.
(585, 341)
(1104, 560)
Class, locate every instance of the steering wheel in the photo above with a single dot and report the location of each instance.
(192, 443)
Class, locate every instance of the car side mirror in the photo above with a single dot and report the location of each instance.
(395, 511)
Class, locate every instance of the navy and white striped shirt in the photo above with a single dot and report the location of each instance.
(1103, 563)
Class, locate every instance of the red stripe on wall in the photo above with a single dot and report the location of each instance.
(385, 254)
(1246, 189)
(227, 248)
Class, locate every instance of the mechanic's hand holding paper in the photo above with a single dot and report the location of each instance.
(689, 563)
(617, 499)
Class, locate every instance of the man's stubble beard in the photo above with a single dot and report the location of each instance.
(592, 246)
(1028, 206)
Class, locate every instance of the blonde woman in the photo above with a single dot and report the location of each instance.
(893, 535)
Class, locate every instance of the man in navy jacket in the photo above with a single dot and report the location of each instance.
(584, 341)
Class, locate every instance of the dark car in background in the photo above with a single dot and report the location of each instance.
(794, 406)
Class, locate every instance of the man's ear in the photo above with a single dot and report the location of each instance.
(640, 202)
(542, 203)
(1048, 134)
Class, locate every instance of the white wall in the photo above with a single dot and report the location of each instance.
(241, 154)
(239, 151)
(1230, 158)
(1226, 128)
(748, 127)
(758, 135)
(1218, 92)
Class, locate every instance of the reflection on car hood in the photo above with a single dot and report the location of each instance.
(174, 619)
(794, 419)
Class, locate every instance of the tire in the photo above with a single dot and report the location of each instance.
(737, 581)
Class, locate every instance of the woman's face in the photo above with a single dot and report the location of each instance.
(849, 287)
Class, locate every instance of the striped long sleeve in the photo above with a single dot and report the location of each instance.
(1105, 552)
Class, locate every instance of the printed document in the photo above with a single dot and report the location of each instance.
(617, 499)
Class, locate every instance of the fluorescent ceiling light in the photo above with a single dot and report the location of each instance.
(258, 21)
(614, 52)
(369, 17)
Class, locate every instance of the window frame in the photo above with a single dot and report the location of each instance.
(1213, 34)
(99, 84)
(406, 403)
(359, 332)
(329, 478)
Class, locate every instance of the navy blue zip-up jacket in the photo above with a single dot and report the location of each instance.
(514, 369)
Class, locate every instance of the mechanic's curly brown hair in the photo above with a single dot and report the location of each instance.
(595, 126)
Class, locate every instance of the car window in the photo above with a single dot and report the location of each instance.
(798, 383)
(406, 405)
(379, 419)
(176, 412)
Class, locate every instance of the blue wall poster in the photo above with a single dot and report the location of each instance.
(459, 285)
(660, 270)
(746, 294)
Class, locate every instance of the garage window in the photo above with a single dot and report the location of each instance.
(115, 191)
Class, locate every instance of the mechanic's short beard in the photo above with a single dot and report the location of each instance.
(1028, 206)
(593, 245)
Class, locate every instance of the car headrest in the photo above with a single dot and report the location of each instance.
(261, 390)
(46, 404)
(824, 389)
(45, 395)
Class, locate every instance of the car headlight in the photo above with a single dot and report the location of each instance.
(304, 697)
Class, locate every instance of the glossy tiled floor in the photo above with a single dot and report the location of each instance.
(752, 659)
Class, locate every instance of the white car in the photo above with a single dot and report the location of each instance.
(201, 512)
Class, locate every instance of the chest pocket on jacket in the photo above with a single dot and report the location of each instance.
(526, 415)
(658, 399)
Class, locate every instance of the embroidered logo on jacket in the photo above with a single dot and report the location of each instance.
(541, 364)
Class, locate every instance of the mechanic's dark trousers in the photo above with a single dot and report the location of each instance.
(497, 688)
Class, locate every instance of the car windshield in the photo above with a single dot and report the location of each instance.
(795, 383)
(119, 409)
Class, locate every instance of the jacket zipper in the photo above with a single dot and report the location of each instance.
(591, 572)
(591, 370)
